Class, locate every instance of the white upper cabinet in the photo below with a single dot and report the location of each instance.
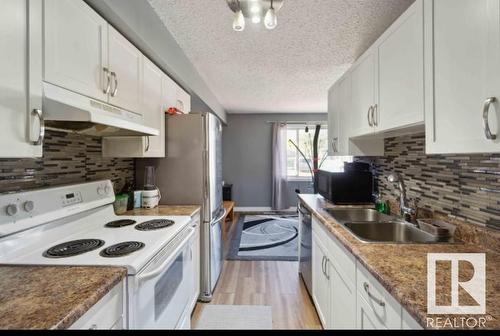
(153, 108)
(76, 48)
(400, 100)
(153, 105)
(21, 79)
(333, 119)
(462, 76)
(125, 64)
(363, 95)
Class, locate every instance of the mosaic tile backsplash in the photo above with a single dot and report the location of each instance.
(67, 158)
(461, 186)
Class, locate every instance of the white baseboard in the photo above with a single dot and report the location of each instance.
(259, 209)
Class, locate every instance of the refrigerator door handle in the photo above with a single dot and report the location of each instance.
(224, 212)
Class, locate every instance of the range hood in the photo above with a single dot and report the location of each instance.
(70, 111)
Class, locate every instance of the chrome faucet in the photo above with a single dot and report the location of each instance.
(405, 211)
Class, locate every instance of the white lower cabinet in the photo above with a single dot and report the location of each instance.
(108, 313)
(320, 281)
(333, 287)
(377, 309)
(345, 294)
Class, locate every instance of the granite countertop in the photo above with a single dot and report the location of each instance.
(402, 268)
(166, 210)
(52, 297)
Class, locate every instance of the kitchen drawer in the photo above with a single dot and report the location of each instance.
(343, 261)
(381, 306)
(105, 314)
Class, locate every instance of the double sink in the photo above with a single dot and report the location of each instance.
(370, 226)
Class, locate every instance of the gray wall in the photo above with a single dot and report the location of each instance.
(137, 20)
(246, 148)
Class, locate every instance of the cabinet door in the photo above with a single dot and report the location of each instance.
(363, 95)
(125, 64)
(320, 282)
(333, 119)
(183, 102)
(343, 300)
(154, 115)
(366, 320)
(20, 77)
(466, 52)
(401, 72)
(76, 48)
(169, 92)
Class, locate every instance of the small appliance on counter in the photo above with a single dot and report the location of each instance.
(352, 186)
(151, 194)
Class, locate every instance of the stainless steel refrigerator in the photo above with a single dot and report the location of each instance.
(191, 173)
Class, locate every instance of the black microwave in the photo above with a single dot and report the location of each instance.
(348, 187)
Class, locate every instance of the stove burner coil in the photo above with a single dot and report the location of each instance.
(73, 248)
(121, 249)
(155, 224)
(120, 223)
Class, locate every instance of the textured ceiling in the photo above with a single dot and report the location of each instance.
(288, 69)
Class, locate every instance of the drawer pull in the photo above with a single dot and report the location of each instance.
(367, 290)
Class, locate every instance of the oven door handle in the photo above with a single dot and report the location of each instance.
(161, 268)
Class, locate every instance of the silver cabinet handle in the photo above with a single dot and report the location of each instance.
(375, 115)
(369, 116)
(327, 274)
(323, 265)
(367, 290)
(41, 135)
(115, 90)
(148, 143)
(486, 125)
(108, 81)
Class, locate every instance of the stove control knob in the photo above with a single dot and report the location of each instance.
(29, 206)
(100, 191)
(107, 189)
(11, 209)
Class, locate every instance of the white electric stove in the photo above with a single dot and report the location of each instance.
(76, 225)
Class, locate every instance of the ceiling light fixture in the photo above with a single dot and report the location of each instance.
(256, 11)
(270, 20)
(239, 21)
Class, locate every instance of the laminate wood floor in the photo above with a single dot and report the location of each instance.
(271, 283)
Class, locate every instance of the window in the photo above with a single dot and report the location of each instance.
(297, 166)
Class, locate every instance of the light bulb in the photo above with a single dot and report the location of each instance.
(270, 20)
(256, 19)
(239, 21)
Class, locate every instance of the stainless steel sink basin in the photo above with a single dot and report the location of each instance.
(389, 232)
(370, 226)
(358, 215)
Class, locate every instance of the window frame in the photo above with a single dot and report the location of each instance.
(297, 128)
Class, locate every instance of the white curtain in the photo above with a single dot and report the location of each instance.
(279, 180)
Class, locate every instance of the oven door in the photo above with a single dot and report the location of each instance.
(160, 294)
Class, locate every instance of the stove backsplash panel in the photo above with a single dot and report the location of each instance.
(464, 186)
(67, 158)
